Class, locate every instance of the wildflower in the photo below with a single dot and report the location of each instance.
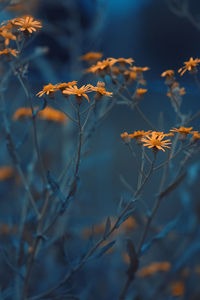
(154, 268)
(190, 66)
(139, 73)
(48, 89)
(22, 113)
(51, 114)
(126, 137)
(9, 51)
(6, 173)
(92, 57)
(122, 62)
(175, 90)
(78, 92)
(138, 134)
(169, 74)
(140, 93)
(7, 35)
(177, 288)
(195, 136)
(183, 131)
(64, 85)
(100, 90)
(102, 67)
(115, 70)
(48, 113)
(130, 76)
(155, 141)
(27, 24)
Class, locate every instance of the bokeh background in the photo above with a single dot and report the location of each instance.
(154, 36)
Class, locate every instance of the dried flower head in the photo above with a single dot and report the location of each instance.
(155, 140)
(190, 66)
(175, 90)
(27, 24)
(9, 51)
(48, 89)
(78, 92)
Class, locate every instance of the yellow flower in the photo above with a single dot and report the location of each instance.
(100, 89)
(48, 89)
(183, 130)
(122, 62)
(155, 140)
(130, 75)
(9, 51)
(6, 173)
(190, 66)
(92, 57)
(27, 23)
(139, 69)
(154, 268)
(78, 92)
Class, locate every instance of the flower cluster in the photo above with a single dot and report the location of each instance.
(71, 88)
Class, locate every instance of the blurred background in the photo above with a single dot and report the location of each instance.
(154, 34)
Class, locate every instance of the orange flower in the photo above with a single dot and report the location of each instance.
(177, 288)
(168, 74)
(184, 131)
(139, 69)
(195, 136)
(100, 89)
(64, 85)
(9, 51)
(78, 92)
(155, 140)
(52, 114)
(6, 173)
(48, 89)
(92, 57)
(122, 62)
(126, 137)
(27, 24)
(175, 90)
(130, 75)
(22, 113)
(138, 134)
(154, 268)
(102, 67)
(48, 113)
(190, 66)
(7, 35)
(140, 93)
